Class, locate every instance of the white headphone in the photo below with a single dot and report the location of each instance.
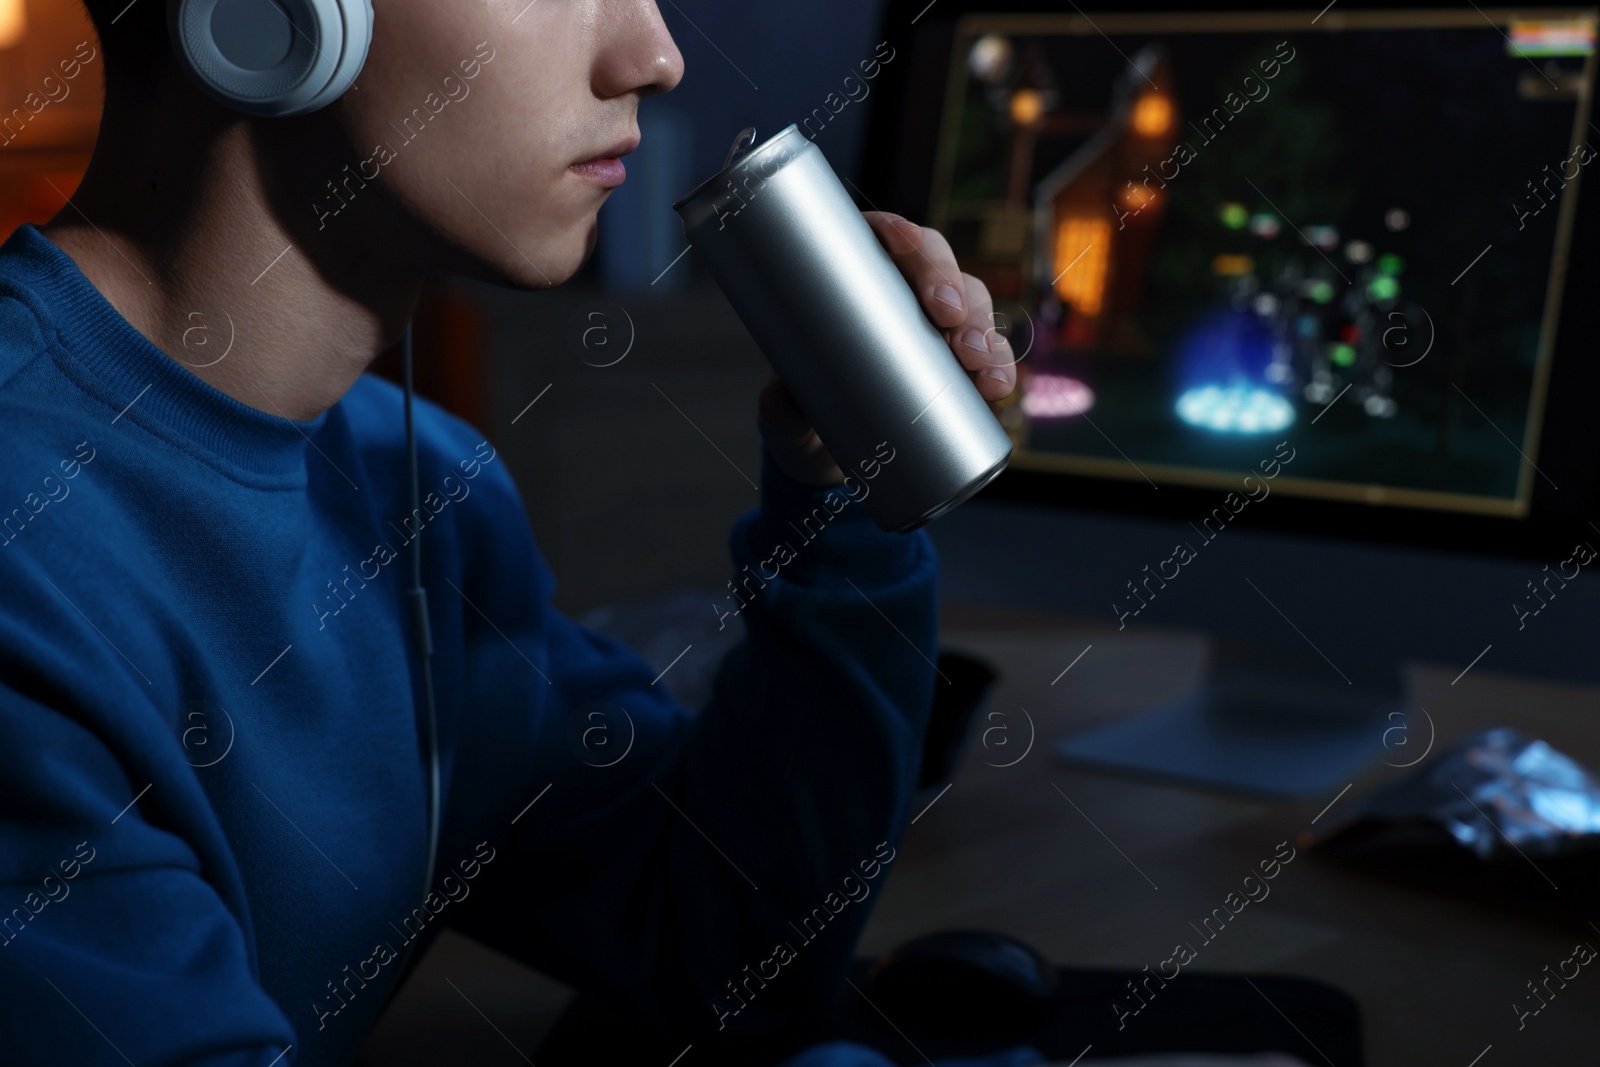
(271, 58)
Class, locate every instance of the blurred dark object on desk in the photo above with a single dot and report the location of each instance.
(1500, 818)
(1196, 1012)
(964, 684)
(1199, 1012)
(976, 983)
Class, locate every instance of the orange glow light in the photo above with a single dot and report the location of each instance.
(1026, 107)
(1152, 115)
(1137, 198)
(1232, 265)
(1083, 244)
(13, 22)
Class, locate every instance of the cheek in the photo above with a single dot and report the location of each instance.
(489, 171)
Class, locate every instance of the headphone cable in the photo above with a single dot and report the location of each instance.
(418, 597)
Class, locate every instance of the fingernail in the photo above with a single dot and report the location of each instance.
(946, 294)
(997, 375)
(975, 339)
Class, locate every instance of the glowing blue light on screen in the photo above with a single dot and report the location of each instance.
(1225, 375)
(1235, 409)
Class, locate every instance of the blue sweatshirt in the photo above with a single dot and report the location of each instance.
(213, 818)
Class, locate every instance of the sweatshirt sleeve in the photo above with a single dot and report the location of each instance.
(113, 946)
(714, 871)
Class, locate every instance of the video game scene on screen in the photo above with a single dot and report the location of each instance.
(1196, 279)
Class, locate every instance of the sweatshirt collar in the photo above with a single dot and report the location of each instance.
(119, 366)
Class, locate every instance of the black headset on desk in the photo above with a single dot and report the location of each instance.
(274, 59)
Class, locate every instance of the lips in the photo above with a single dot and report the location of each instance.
(606, 168)
(616, 151)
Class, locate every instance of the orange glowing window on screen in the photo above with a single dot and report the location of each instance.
(1152, 115)
(1026, 107)
(1082, 247)
(1138, 197)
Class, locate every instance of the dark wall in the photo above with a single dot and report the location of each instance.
(761, 65)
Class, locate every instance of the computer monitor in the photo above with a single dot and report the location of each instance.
(1337, 258)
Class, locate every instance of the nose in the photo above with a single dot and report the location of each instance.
(640, 55)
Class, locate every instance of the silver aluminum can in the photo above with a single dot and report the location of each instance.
(833, 314)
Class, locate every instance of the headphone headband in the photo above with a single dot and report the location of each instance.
(271, 58)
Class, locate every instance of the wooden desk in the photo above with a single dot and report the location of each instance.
(1005, 849)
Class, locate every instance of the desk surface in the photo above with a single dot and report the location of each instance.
(1099, 870)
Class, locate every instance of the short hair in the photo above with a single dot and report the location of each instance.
(133, 37)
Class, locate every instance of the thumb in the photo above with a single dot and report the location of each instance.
(782, 423)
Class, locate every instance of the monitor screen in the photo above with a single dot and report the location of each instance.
(1329, 250)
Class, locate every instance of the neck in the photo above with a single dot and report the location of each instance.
(187, 230)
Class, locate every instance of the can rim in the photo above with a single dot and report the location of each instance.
(748, 157)
(966, 493)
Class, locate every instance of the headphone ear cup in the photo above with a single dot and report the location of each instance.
(270, 57)
(357, 39)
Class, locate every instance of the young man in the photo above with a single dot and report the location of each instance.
(213, 814)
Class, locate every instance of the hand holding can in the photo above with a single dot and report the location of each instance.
(831, 310)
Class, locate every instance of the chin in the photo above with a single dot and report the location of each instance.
(575, 250)
(550, 261)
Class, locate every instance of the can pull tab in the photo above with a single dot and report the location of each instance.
(741, 145)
